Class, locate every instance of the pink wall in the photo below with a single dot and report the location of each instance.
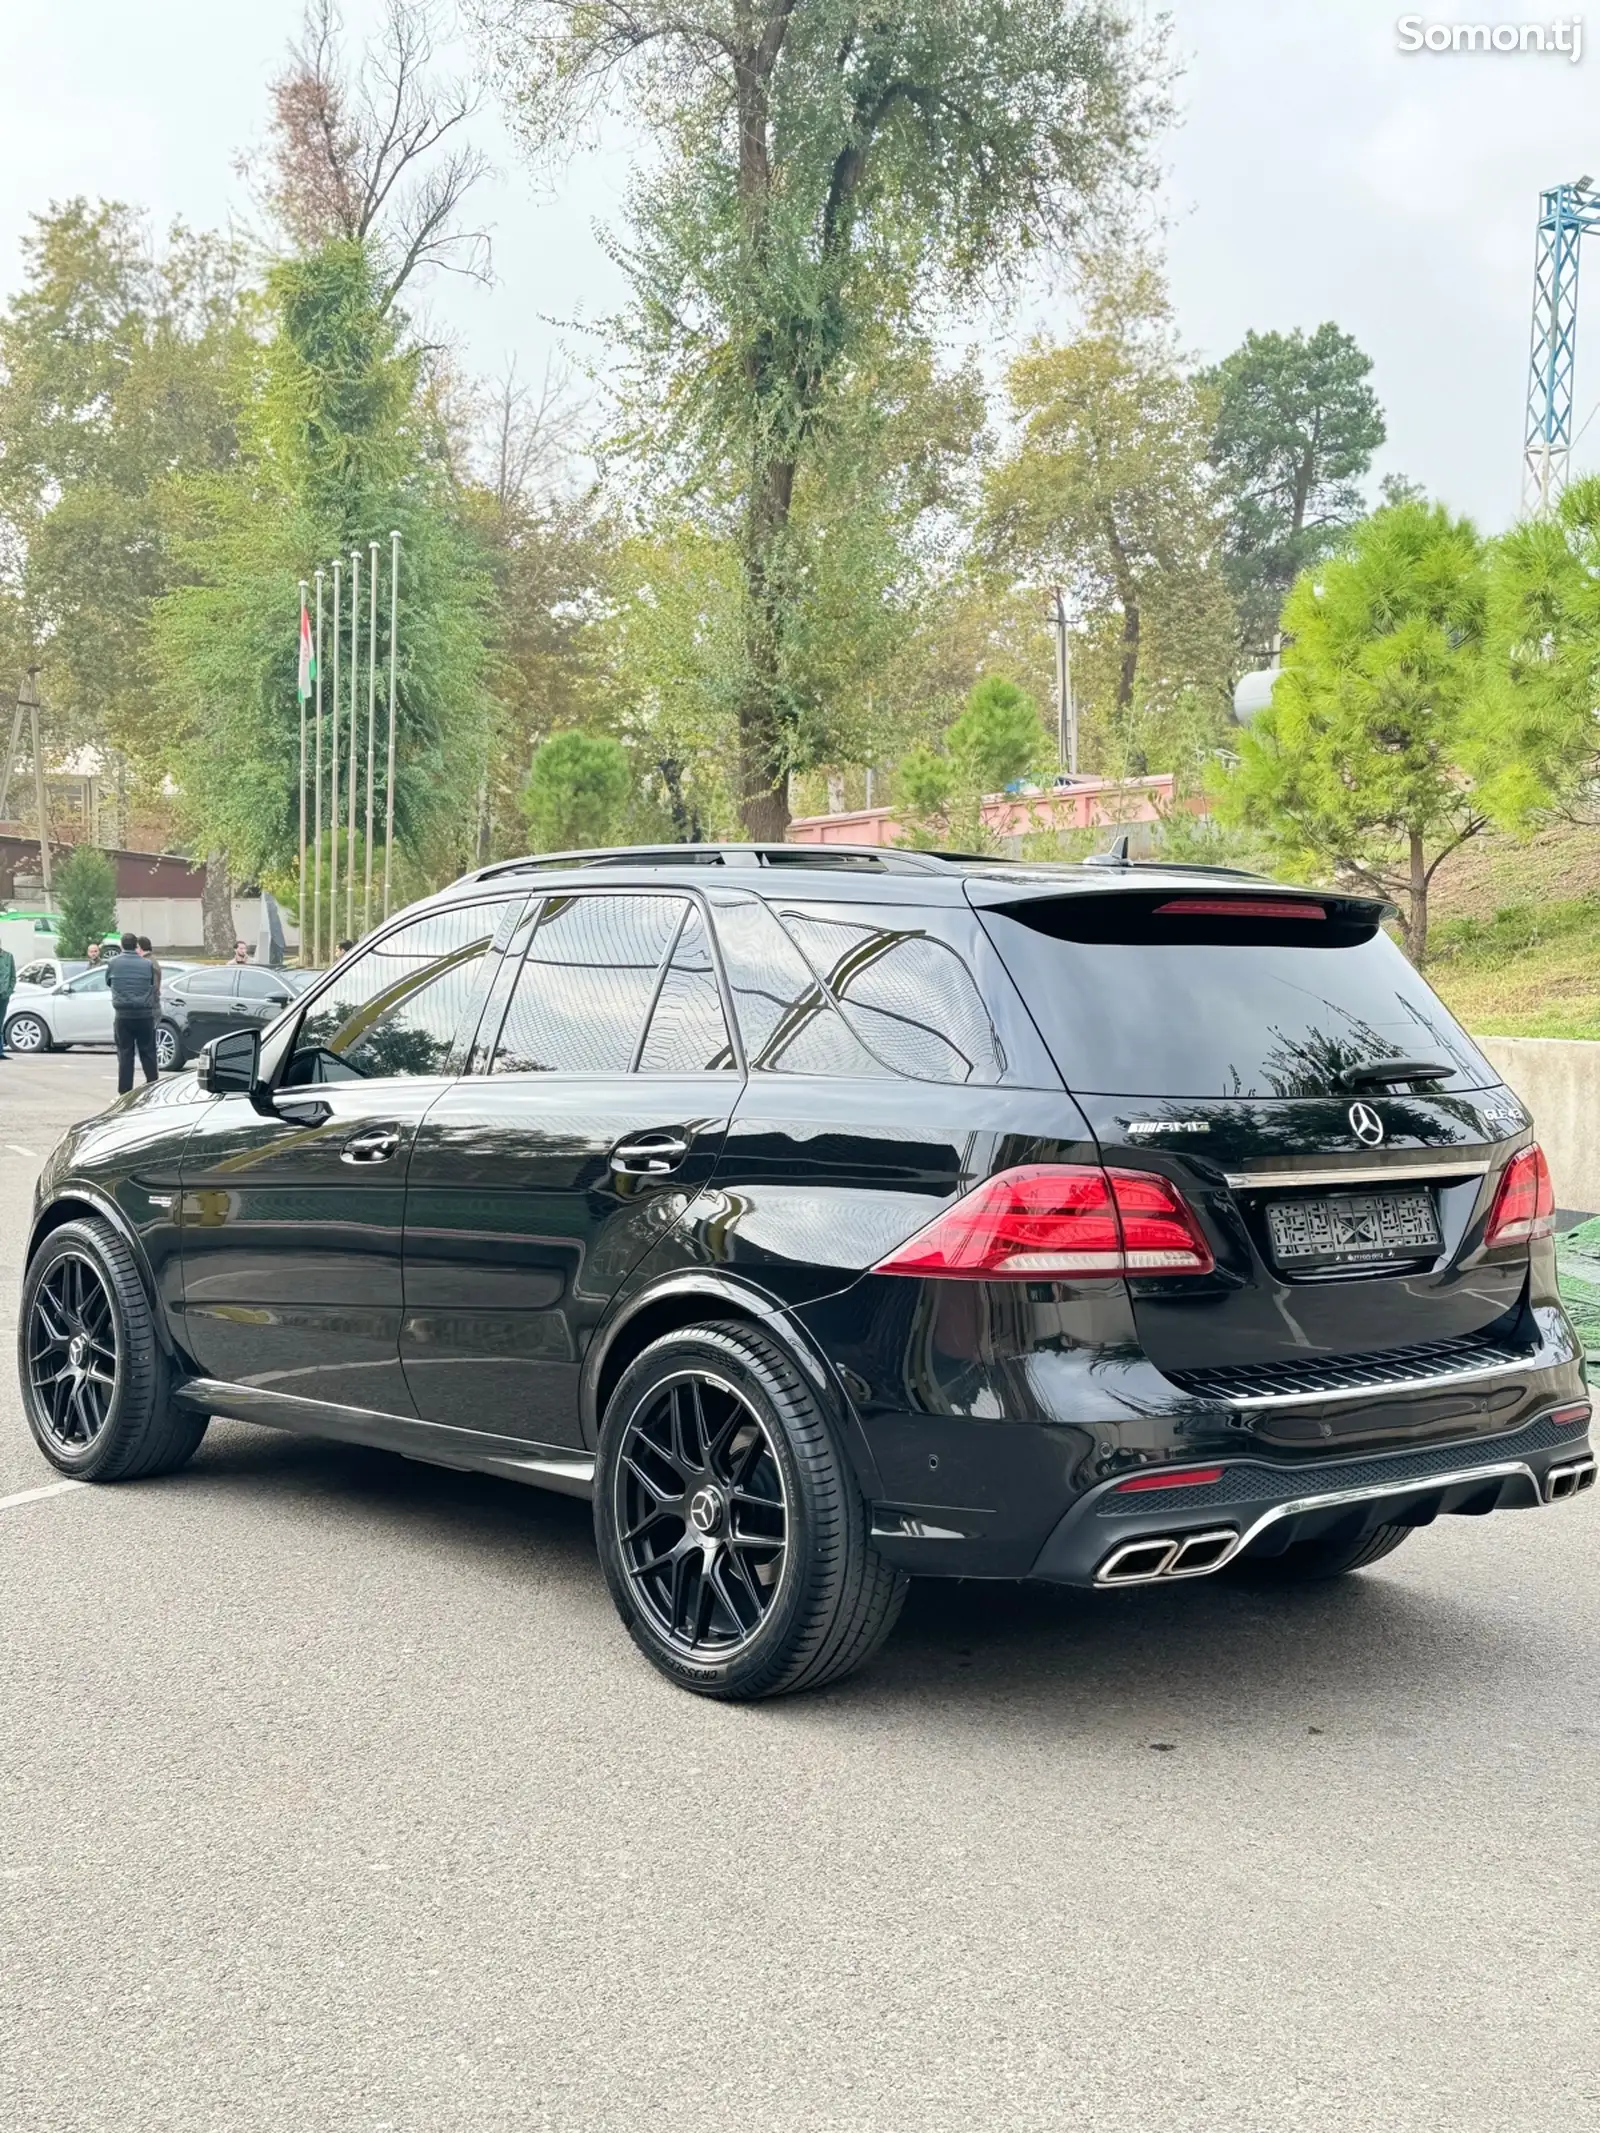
(1088, 803)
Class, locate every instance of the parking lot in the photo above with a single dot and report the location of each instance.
(334, 1797)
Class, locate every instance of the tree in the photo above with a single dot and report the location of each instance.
(374, 154)
(1537, 746)
(576, 790)
(1297, 425)
(86, 892)
(998, 736)
(1108, 494)
(826, 177)
(1357, 767)
(120, 364)
(340, 442)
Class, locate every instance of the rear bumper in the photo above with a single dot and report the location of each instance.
(1160, 1534)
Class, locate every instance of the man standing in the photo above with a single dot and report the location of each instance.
(93, 953)
(149, 955)
(8, 980)
(133, 1011)
(241, 953)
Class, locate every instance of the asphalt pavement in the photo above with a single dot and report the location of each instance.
(333, 1797)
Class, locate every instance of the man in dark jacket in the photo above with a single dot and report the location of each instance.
(133, 1011)
(8, 980)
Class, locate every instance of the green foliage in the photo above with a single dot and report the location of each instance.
(827, 181)
(1296, 427)
(86, 898)
(1537, 743)
(576, 792)
(1108, 494)
(998, 737)
(1355, 770)
(341, 443)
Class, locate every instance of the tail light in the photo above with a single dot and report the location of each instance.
(1525, 1205)
(1058, 1221)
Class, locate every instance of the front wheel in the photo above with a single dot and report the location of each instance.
(731, 1530)
(169, 1052)
(96, 1385)
(27, 1033)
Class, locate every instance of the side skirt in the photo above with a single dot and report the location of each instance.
(470, 1451)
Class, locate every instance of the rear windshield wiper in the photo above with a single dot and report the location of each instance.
(1378, 1073)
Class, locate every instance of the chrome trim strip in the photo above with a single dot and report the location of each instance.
(1467, 1165)
(1443, 1381)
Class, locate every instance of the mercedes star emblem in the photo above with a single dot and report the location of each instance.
(1366, 1125)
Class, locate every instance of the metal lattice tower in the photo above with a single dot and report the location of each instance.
(1565, 213)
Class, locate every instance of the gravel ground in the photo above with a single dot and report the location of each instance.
(333, 1797)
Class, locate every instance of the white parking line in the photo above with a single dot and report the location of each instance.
(51, 1488)
(17, 1148)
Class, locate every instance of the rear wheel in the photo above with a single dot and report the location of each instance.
(1313, 1560)
(27, 1033)
(169, 1051)
(731, 1531)
(95, 1382)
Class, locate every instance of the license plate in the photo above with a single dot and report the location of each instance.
(1351, 1229)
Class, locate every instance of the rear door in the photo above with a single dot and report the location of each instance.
(1219, 1036)
(208, 997)
(599, 1095)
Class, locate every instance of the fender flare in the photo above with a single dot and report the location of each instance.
(106, 1207)
(748, 1301)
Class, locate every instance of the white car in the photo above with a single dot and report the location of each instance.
(74, 1010)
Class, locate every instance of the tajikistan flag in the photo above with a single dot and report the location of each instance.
(308, 658)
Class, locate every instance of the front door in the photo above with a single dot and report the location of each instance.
(595, 1110)
(82, 1014)
(292, 1219)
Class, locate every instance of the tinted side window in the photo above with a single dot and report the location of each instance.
(688, 1031)
(586, 984)
(392, 1009)
(92, 980)
(908, 995)
(211, 982)
(788, 1023)
(262, 985)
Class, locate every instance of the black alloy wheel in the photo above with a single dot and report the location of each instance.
(96, 1382)
(702, 1519)
(734, 1537)
(72, 1359)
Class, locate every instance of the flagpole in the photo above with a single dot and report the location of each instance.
(333, 730)
(388, 781)
(316, 864)
(302, 693)
(372, 721)
(355, 743)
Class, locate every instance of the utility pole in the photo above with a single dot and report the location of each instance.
(372, 720)
(333, 735)
(1066, 708)
(354, 758)
(1566, 214)
(388, 781)
(11, 751)
(316, 863)
(303, 590)
(38, 786)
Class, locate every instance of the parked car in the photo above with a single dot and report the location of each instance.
(50, 971)
(206, 1001)
(829, 1216)
(50, 1018)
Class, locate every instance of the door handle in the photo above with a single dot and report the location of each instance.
(652, 1155)
(375, 1145)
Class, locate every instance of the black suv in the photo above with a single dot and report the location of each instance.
(833, 1215)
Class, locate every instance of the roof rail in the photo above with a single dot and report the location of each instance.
(869, 857)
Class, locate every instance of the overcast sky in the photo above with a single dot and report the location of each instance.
(1319, 172)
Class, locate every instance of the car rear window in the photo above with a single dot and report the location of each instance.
(1252, 997)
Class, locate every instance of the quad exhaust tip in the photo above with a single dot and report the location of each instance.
(1564, 1481)
(1184, 1555)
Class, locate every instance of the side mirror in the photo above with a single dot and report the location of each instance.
(231, 1065)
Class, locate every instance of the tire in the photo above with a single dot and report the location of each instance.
(96, 1384)
(1311, 1561)
(169, 1048)
(730, 1528)
(27, 1033)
